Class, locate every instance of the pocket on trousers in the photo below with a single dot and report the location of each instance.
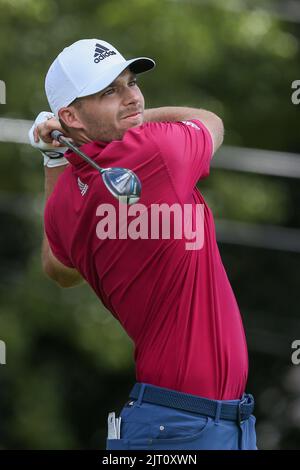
(143, 436)
(168, 434)
(135, 429)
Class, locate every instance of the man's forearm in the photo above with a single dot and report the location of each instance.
(51, 176)
(65, 277)
(175, 113)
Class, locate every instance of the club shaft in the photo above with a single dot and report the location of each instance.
(63, 140)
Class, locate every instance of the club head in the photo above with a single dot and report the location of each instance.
(123, 184)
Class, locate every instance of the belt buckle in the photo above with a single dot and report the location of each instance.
(239, 411)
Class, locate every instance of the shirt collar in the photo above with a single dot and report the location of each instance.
(91, 149)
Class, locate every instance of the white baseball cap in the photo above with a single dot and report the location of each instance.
(86, 67)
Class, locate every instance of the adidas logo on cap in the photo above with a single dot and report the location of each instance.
(101, 52)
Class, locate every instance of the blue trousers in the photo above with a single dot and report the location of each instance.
(147, 426)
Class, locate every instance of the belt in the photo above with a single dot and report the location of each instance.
(239, 411)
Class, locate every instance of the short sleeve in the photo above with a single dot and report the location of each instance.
(53, 237)
(186, 147)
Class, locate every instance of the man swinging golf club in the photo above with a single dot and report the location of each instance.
(175, 303)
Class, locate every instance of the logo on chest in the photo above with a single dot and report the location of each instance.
(82, 187)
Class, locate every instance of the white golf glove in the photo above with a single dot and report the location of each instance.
(53, 156)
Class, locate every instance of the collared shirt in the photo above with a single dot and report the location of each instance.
(173, 300)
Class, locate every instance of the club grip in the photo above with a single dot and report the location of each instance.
(56, 135)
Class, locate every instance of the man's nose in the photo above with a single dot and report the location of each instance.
(131, 95)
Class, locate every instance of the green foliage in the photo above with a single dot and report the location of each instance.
(68, 360)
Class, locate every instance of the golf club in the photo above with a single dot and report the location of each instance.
(121, 182)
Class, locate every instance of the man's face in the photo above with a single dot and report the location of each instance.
(108, 114)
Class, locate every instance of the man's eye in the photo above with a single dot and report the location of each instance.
(109, 92)
(133, 82)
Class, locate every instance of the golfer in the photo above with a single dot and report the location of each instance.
(172, 298)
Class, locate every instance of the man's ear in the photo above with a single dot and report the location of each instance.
(69, 116)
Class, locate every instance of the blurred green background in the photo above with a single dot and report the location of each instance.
(68, 361)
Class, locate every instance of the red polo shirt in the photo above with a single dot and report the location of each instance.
(175, 303)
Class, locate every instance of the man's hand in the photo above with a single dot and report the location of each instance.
(40, 138)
